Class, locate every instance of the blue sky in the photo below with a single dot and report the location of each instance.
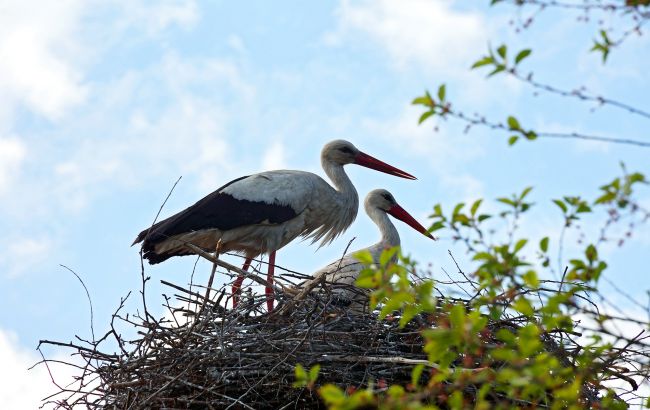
(104, 104)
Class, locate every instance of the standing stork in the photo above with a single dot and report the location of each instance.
(342, 273)
(261, 213)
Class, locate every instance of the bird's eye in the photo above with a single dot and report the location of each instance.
(347, 150)
(388, 197)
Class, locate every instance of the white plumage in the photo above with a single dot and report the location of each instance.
(263, 212)
(342, 274)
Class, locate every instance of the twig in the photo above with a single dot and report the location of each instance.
(90, 302)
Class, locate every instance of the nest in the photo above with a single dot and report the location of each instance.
(204, 355)
(244, 358)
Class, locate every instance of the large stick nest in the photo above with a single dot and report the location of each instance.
(204, 355)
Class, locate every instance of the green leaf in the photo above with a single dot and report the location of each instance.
(606, 39)
(482, 218)
(502, 51)
(425, 288)
(300, 375)
(637, 177)
(525, 192)
(457, 208)
(531, 279)
(520, 244)
(416, 373)
(425, 115)
(463, 219)
(529, 341)
(367, 279)
(456, 400)
(331, 394)
(475, 206)
(505, 335)
(388, 255)
(602, 48)
(424, 100)
(300, 372)
(513, 123)
(521, 55)
(391, 305)
(583, 207)
(530, 135)
(457, 316)
(523, 306)
(313, 373)
(591, 253)
(396, 391)
(436, 226)
(409, 313)
(364, 256)
(543, 244)
(506, 201)
(561, 204)
(606, 198)
(441, 93)
(482, 62)
(482, 256)
(512, 139)
(499, 68)
(577, 263)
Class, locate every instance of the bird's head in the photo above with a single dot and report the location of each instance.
(385, 201)
(342, 152)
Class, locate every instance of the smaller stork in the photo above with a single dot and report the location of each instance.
(342, 273)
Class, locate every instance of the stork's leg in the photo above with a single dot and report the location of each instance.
(269, 279)
(236, 286)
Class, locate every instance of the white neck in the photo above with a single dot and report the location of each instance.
(348, 194)
(341, 209)
(389, 234)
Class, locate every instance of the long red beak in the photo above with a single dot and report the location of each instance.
(399, 213)
(368, 161)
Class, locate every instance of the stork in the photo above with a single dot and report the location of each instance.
(261, 213)
(342, 273)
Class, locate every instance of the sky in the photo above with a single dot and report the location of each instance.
(104, 104)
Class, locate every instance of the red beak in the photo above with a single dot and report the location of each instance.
(399, 213)
(368, 161)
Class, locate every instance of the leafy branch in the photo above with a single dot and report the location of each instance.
(517, 342)
(635, 10)
(442, 108)
(499, 63)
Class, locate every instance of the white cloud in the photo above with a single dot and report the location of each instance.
(160, 15)
(431, 33)
(23, 388)
(45, 46)
(440, 147)
(22, 254)
(236, 43)
(274, 156)
(467, 187)
(445, 153)
(155, 123)
(37, 45)
(12, 154)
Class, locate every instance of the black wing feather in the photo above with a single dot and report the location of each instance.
(216, 211)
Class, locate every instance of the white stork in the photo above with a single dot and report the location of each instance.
(342, 273)
(261, 213)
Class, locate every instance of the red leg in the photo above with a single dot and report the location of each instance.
(269, 279)
(236, 286)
